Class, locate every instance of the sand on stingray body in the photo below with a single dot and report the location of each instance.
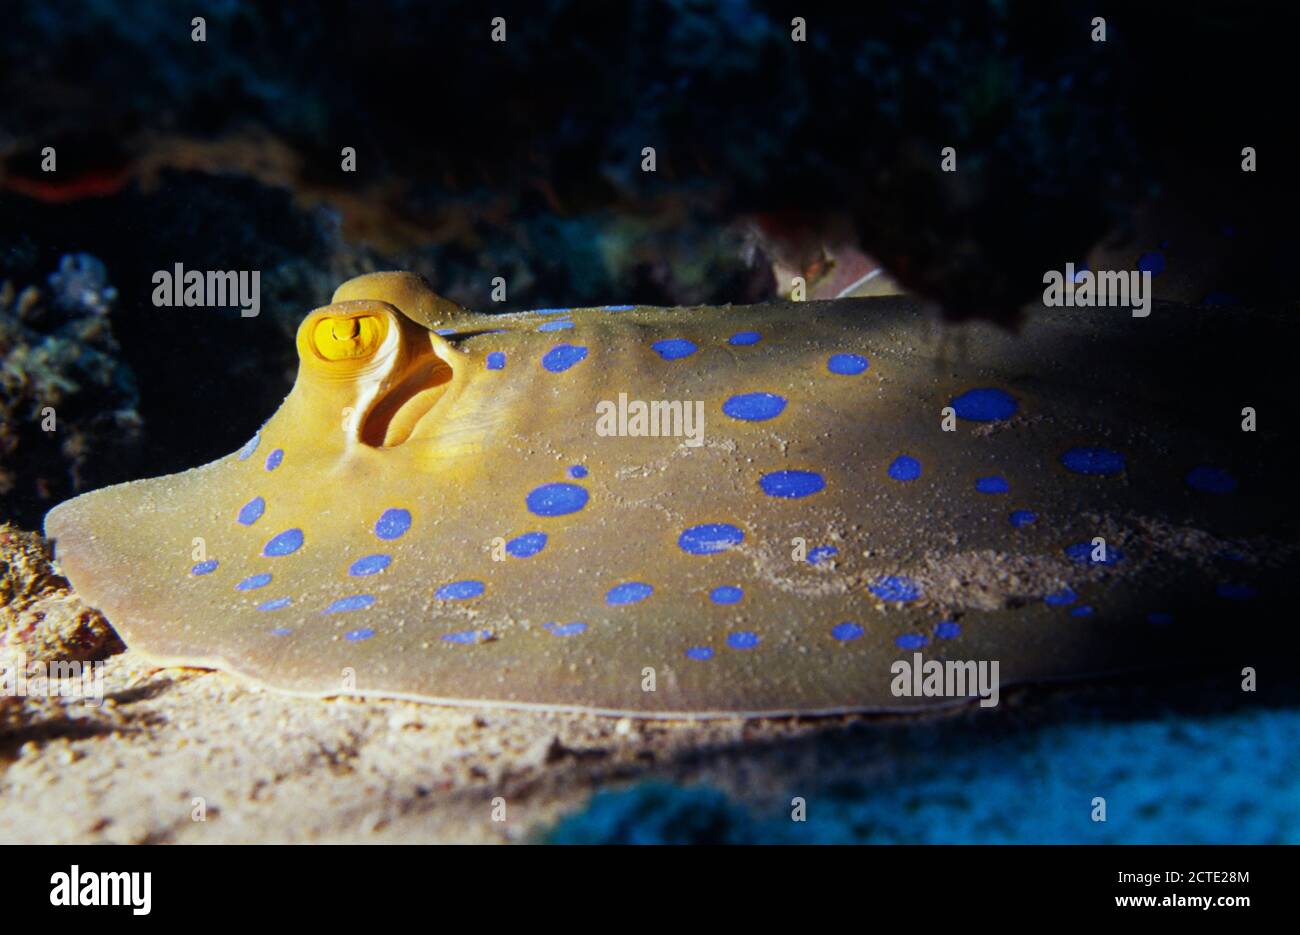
(456, 529)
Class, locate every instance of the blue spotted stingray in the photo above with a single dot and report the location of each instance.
(517, 510)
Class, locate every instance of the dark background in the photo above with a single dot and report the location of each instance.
(522, 159)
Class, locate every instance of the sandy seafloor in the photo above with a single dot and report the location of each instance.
(272, 768)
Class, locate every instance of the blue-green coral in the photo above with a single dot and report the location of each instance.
(1219, 779)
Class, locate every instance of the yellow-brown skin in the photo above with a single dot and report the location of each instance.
(385, 414)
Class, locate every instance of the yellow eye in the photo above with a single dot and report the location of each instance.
(348, 338)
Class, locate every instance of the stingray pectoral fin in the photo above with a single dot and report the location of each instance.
(126, 548)
(180, 575)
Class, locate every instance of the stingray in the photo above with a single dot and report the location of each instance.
(694, 512)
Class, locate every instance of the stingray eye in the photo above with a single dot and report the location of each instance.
(348, 337)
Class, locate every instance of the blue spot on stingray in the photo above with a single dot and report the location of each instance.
(905, 468)
(847, 365)
(726, 594)
(1101, 461)
(1081, 552)
(444, 331)
(555, 325)
(460, 590)
(744, 338)
(527, 545)
(274, 458)
(629, 592)
(252, 511)
(1060, 598)
(496, 360)
(674, 348)
(791, 484)
(566, 629)
(617, 308)
(986, 404)
(1236, 591)
(821, 553)
(393, 524)
(249, 447)
(467, 637)
(1211, 480)
(1021, 518)
(709, 538)
(847, 631)
(370, 565)
(992, 484)
(701, 653)
(754, 407)
(552, 311)
(742, 639)
(947, 630)
(556, 499)
(284, 543)
(1160, 617)
(275, 604)
(279, 631)
(359, 634)
(911, 641)
(577, 471)
(253, 582)
(563, 356)
(1152, 262)
(1083, 610)
(351, 602)
(895, 588)
(205, 567)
